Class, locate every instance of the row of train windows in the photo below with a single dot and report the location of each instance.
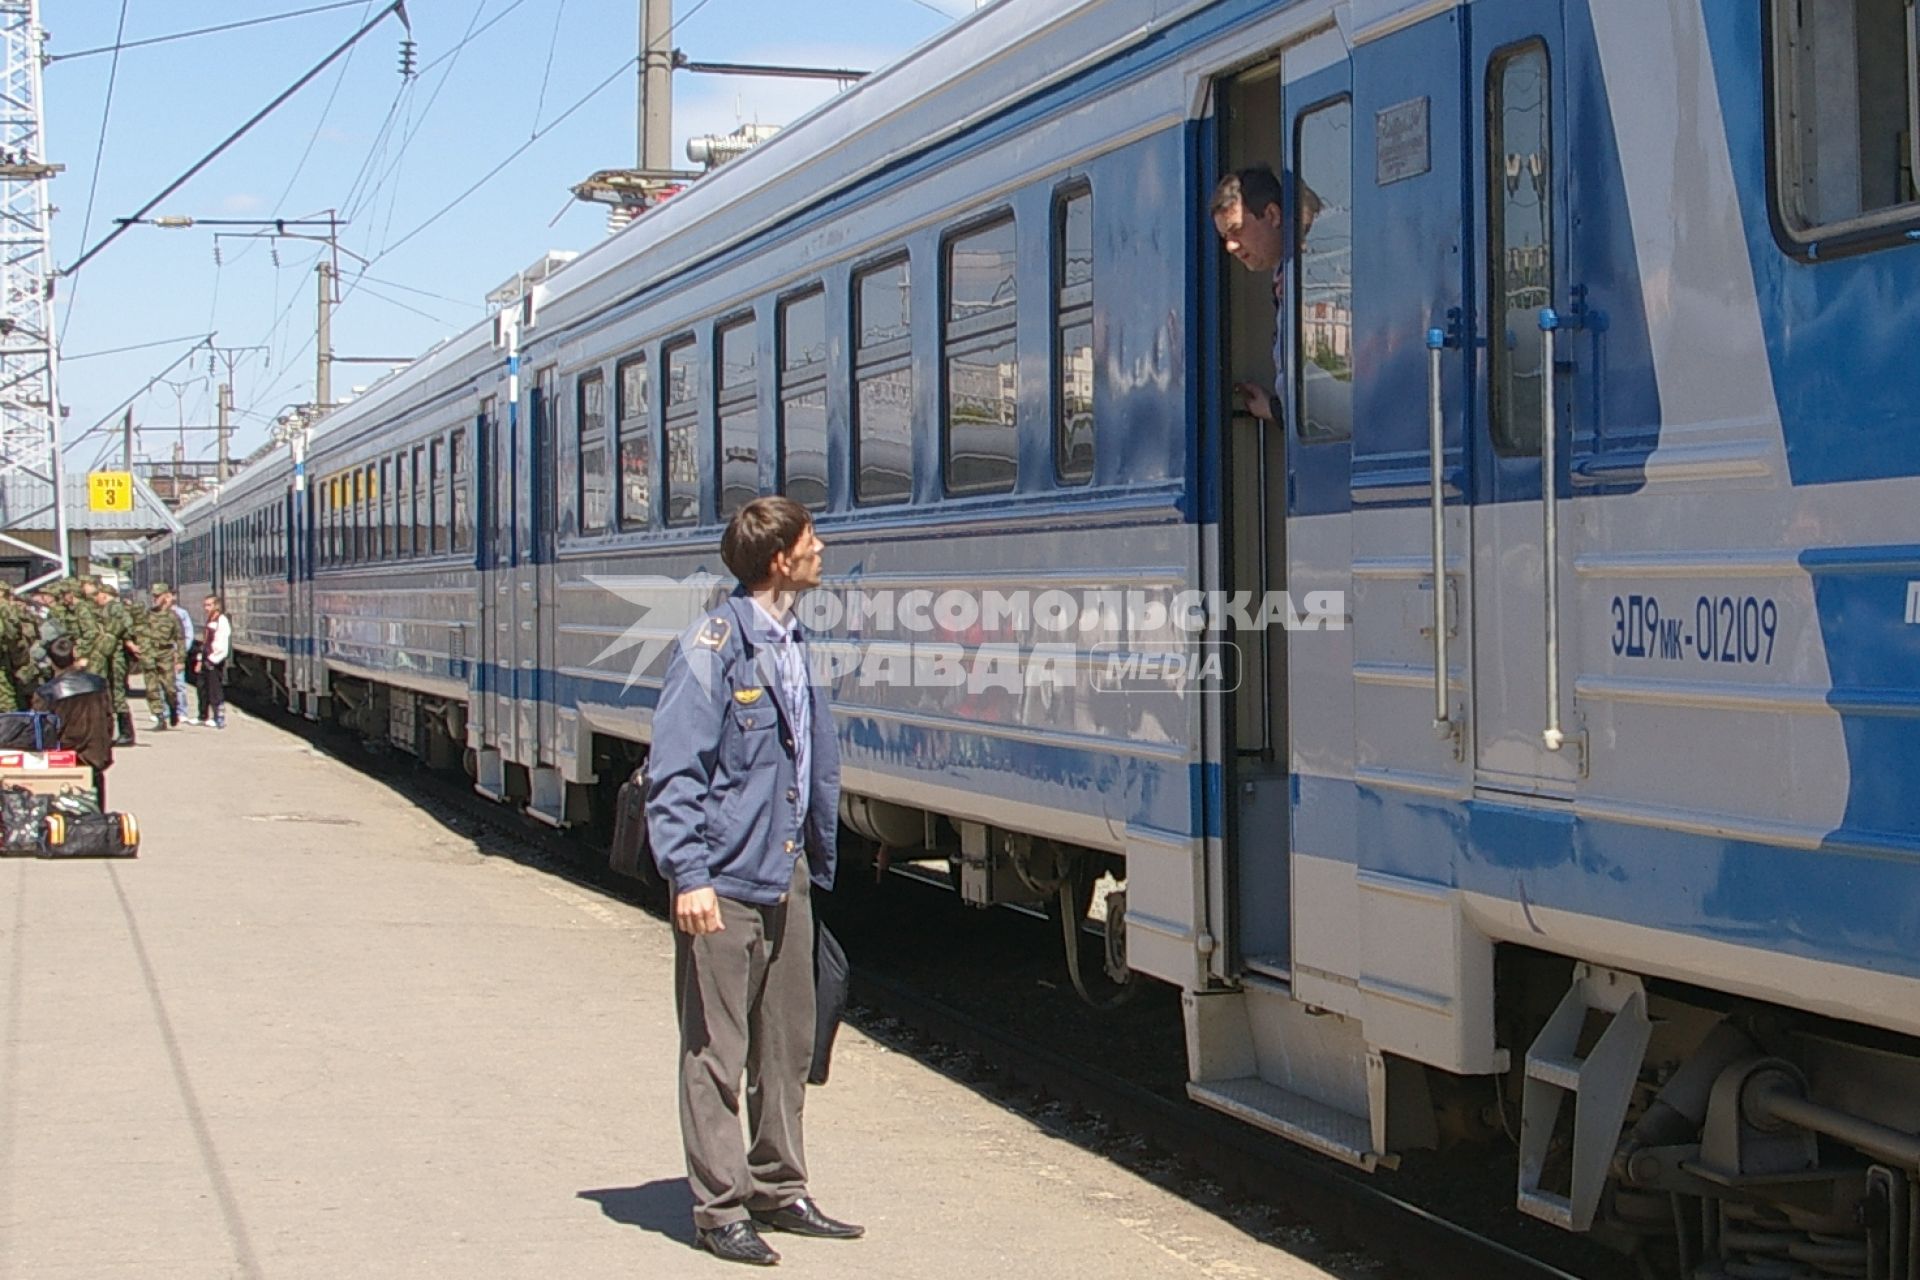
(415, 502)
(255, 545)
(980, 387)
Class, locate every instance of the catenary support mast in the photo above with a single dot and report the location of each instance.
(29, 395)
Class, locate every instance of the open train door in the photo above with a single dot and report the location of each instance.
(492, 735)
(304, 669)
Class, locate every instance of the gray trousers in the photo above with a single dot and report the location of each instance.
(745, 999)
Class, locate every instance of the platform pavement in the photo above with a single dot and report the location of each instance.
(316, 1031)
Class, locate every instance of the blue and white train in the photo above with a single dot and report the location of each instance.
(1584, 815)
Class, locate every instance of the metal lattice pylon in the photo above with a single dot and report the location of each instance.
(29, 403)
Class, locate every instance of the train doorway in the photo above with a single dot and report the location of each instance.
(1256, 923)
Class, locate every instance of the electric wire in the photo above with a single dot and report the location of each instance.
(511, 156)
(99, 151)
(138, 346)
(119, 44)
(553, 43)
(313, 139)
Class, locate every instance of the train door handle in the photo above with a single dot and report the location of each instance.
(1552, 735)
(1444, 724)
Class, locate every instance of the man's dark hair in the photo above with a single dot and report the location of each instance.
(758, 532)
(1255, 190)
(60, 652)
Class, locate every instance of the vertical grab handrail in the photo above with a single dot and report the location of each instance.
(1437, 444)
(1550, 524)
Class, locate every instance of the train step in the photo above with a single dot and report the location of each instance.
(1314, 1125)
(1600, 1082)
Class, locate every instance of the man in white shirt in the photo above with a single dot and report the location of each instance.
(217, 645)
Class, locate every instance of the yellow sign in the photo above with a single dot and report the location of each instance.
(110, 491)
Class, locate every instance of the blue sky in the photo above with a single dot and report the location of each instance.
(327, 147)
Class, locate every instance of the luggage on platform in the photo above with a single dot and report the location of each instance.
(29, 730)
(23, 821)
(91, 835)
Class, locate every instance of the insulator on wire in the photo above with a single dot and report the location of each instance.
(216, 254)
(210, 364)
(273, 252)
(409, 59)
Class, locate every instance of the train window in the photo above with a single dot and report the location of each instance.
(982, 361)
(737, 415)
(682, 425)
(359, 529)
(462, 504)
(883, 384)
(386, 508)
(596, 484)
(437, 469)
(422, 501)
(1323, 272)
(1520, 241)
(1073, 336)
(1845, 126)
(803, 399)
(636, 446)
(403, 506)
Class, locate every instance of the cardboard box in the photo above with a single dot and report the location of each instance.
(49, 782)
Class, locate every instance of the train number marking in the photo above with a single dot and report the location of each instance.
(1735, 630)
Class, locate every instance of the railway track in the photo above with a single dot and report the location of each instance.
(1345, 1222)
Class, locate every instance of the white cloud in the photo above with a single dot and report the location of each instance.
(242, 202)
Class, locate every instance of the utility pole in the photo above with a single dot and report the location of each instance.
(323, 346)
(225, 426)
(656, 85)
(126, 451)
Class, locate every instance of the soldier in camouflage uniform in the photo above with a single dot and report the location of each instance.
(18, 631)
(107, 654)
(159, 641)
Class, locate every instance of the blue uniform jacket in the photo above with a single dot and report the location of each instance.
(720, 776)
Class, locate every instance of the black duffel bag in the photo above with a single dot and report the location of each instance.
(91, 835)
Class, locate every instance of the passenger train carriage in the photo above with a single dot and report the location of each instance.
(1576, 800)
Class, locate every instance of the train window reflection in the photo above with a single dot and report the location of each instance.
(1323, 275)
(636, 446)
(1520, 242)
(737, 417)
(982, 363)
(596, 484)
(883, 385)
(1073, 344)
(462, 496)
(803, 399)
(682, 479)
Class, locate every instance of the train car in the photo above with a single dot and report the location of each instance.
(1510, 735)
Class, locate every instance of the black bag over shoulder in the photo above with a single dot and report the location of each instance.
(630, 855)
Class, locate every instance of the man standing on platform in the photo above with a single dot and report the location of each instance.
(743, 814)
(159, 641)
(85, 708)
(107, 655)
(171, 602)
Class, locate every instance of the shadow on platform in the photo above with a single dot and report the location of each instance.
(664, 1207)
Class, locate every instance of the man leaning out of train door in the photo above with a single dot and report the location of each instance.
(742, 814)
(1249, 210)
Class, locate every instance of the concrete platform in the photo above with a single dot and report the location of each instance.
(315, 1031)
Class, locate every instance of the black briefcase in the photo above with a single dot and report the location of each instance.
(630, 855)
(830, 974)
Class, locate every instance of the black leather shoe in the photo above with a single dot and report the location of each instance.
(803, 1218)
(736, 1242)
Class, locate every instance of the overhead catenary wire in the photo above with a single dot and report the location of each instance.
(119, 44)
(235, 136)
(99, 153)
(138, 346)
(145, 387)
